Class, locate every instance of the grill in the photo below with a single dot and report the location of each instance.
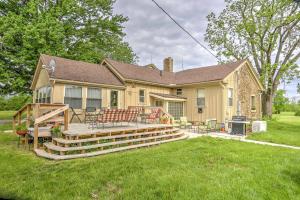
(238, 125)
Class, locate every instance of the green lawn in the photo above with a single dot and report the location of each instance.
(6, 115)
(203, 168)
(285, 129)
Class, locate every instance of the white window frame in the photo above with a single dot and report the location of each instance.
(179, 91)
(253, 106)
(142, 97)
(42, 96)
(230, 98)
(76, 86)
(96, 99)
(200, 98)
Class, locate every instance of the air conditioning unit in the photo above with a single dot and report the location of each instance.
(259, 126)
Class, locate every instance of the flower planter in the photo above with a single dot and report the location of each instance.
(21, 132)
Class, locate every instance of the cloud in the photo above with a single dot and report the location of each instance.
(152, 34)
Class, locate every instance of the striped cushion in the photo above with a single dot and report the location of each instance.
(132, 115)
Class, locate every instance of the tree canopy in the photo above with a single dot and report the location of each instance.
(81, 30)
(266, 32)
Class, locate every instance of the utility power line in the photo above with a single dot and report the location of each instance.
(186, 31)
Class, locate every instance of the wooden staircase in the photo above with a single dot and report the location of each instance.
(108, 141)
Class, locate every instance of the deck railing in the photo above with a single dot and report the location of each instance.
(39, 113)
(147, 109)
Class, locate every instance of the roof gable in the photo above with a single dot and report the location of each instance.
(72, 70)
(111, 72)
(141, 73)
(206, 74)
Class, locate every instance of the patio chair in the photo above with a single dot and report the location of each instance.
(74, 114)
(209, 126)
(107, 117)
(89, 113)
(120, 116)
(175, 123)
(184, 123)
(154, 115)
(131, 116)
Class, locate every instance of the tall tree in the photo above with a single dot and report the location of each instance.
(280, 101)
(84, 30)
(266, 32)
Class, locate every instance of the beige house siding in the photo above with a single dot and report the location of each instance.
(132, 94)
(242, 82)
(244, 86)
(59, 93)
(213, 102)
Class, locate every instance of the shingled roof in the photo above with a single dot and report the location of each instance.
(206, 74)
(142, 73)
(67, 69)
(194, 75)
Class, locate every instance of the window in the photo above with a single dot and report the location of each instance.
(252, 102)
(43, 95)
(142, 96)
(200, 98)
(73, 96)
(230, 97)
(179, 91)
(175, 109)
(158, 103)
(94, 98)
(114, 99)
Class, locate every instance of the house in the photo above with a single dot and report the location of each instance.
(218, 91)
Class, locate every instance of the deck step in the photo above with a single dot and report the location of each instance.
(114, 129)
(54, 147)
(66, 141)
(43, 153)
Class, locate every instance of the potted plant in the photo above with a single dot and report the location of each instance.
(164, 119)
(21, 129)
(55, 131)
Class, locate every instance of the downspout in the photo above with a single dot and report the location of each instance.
(223, 109)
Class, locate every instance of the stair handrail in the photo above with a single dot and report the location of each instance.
(50, 114)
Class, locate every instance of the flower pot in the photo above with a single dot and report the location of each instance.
(21, 132)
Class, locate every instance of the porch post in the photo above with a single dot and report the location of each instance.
(28, 116)
(66, 119)
(36, 127)
(36, 135)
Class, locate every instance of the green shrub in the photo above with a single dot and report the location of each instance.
(21, 127)
(14, 102)
(297, 113)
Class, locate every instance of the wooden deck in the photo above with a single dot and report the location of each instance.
(81, 141)
(84, 129)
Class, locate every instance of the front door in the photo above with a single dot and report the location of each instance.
(114, 99)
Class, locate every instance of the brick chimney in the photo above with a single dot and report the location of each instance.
(168, 64)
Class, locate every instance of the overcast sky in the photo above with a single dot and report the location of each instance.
(153, 36)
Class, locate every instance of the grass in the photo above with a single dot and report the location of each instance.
(6, 115)
(202, 168)
(284, 129)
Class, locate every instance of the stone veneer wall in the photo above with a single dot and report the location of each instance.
(246, 88)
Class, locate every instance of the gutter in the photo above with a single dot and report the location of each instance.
(86, 83)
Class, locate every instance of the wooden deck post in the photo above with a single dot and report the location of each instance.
(28, 116)
(14, 125)
(66, 119)
(19, 119)
(36, 135)
(36, 127)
